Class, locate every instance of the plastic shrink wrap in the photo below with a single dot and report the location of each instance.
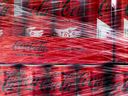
(63, 47)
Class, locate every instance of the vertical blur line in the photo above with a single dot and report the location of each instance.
(77, 79)
(82, 15)
(25, 11)
(53, 17)
(113, 25)
(19, 10)
(109, 76)
(18, 13)
(48, 79)
(19, 78)
(109, 67)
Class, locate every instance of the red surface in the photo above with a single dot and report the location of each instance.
(55, 50)
(122, 50)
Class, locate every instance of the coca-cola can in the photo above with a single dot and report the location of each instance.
(40, 21)
(43, 80)
(91, 80)
(83, 14)
(83, 80)
(120, 81)
(104, 29)
(33, 18)
(10, 80)
(68, 76)
(6, 17)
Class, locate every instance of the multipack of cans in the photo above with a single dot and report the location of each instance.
(63, 47)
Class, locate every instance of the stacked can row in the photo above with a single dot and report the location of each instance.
(63, 80)
(63, 18)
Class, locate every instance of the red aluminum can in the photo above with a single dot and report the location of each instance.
(40, 21)
(44, 80)
(91, 80)
(10, 80)
(6, 17)
(34, 20)
(120, 80)
(84, 13)
(68, 85)
(83, 80)
(104, 19)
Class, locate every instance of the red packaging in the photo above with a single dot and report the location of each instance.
(6, 17)
(10, 80)
(104, 19)
(45, 80)
(82, 80)
(121, 79)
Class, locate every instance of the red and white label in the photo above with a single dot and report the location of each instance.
(33, 32)
(68, 32)
(103, 30)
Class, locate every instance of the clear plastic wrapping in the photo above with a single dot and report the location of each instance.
(63, 47)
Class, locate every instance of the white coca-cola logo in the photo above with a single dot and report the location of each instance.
(71, 32)
(32, 32)
(1, 32)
